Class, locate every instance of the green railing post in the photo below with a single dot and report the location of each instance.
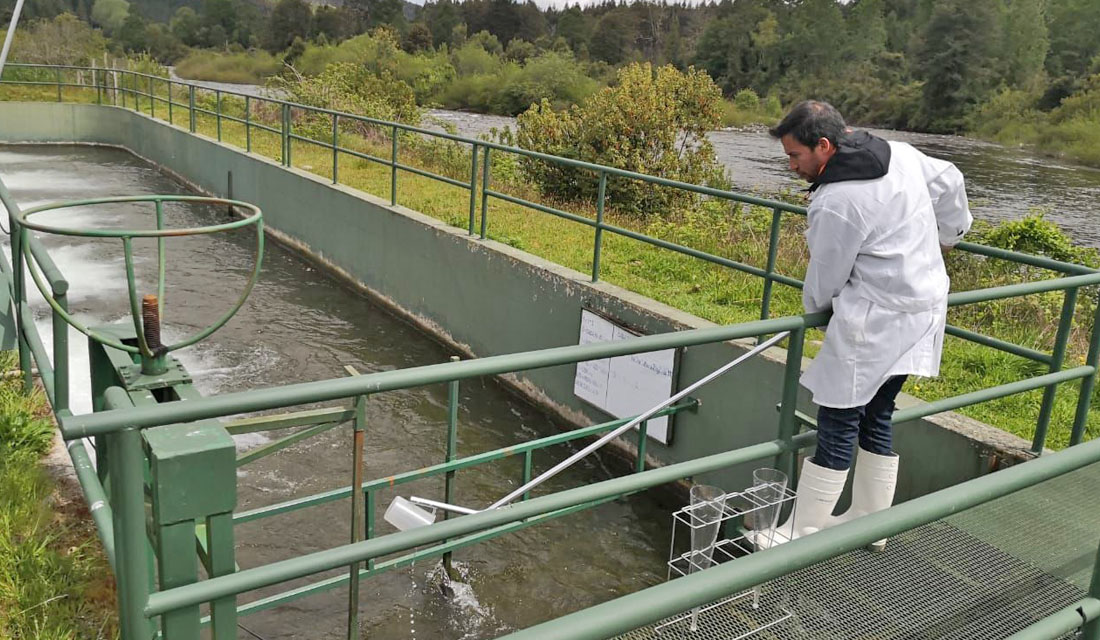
(180, 497)
(370, 523)
(452, 453)
(1091, 630)
(170, 120)
(120, 86)
(393, 167)
(788, 422)
(473, 185)
(128, 505)
(598, 248)
(152, 99)
(1058, 355)
(191, 105)
(639, 464)
(335, 148)
(773, 250)
(359, 433)
(58, 78)
(98, 86)
(218, 112)
(485, 193)
(1084, 399)
(248, 124)
(60, 353)
(20, 300)
(528, 471)
(286, 135)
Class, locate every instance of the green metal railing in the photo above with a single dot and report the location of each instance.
(115, 492)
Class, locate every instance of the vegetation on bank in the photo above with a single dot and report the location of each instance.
(716, 226)
(54, 579)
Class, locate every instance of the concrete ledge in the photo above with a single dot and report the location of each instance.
(485, 298)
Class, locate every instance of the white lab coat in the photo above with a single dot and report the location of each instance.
(875, 261)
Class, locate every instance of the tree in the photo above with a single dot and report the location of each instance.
(289, 20)
(335, 24)
(65, 39)
(442, 17)
(1026, 43)
(131, 35)
(575, 27)
(613, 37)
(418, 38)
(110, 14)
(187, 26)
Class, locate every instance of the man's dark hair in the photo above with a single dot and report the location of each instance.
(810, 121)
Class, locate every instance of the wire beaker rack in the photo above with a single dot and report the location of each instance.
(743, 505)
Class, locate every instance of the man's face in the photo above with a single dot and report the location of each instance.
(805, 161)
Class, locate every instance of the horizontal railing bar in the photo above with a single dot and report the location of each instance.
(345, 555)
(320, 586)
(1061, 622)
(629, 612)
(306, 392)
(365, 156)
(961, 298)
(442, 468)
(98, 504)
(319, 143)
(1026, 258)
(434, 176)
(1000, 345)
(288, 420)
(541, 207)
(991, 393)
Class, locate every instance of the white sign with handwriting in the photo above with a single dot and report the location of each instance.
(627, 385)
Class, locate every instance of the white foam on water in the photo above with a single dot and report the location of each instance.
(474, 615)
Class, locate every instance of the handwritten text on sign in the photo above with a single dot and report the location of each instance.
(627, 385)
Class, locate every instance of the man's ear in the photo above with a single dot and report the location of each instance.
(826, 145)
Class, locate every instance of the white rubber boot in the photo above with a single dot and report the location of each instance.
(876, 477)
(819, 489)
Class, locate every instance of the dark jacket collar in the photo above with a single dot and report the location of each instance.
(859, 156)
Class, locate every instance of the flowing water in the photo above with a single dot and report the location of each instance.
(1004, 183)
(301, 325)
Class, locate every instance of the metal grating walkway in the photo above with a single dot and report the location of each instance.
(982, 574)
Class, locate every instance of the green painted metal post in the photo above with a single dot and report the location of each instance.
(359, 426)
(220, 562)
(128, 503)
(1084, 399)
(788, 423)
(1091, 630)
(60, 354)
(773, 250)
(1058, 355)
(370, 523)
(218, 112)
(58, 77)
(120, 86)
(473, 185)
(639, 464)
(335, 148)
(286, 135)
(170, 117)
(528, 471)
(485, 193)
(176, 566)
(191, 105)
(393, 167)
(451, 454)
(152, 99)
(600, 199)
(98, 86)
(248, 124)
(19, 300)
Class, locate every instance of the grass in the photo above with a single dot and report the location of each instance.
(711, 292)
(54, 579)
(251, 67)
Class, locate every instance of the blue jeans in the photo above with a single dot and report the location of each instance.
(838, 429)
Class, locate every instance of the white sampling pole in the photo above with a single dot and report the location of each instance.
(11, 34)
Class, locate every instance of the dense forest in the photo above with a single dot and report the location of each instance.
(1014, 70)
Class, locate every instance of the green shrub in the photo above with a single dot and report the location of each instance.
(250, 67)
(653, 121)
(747, 100)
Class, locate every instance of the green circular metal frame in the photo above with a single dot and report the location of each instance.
(127, 235)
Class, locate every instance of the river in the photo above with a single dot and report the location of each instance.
(1004, 183)
(299, 325)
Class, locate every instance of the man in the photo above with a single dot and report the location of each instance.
(881, 216)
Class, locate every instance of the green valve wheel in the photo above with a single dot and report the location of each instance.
(146, 320)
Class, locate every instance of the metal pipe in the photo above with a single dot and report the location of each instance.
(435, 504)
(601, 197)
(1063, 621)
(10, 35)
(1057, 357)
(96, 497)
(571, 460)
(306, 392)
(255, 578)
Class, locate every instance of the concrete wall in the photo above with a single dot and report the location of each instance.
(486, 298)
